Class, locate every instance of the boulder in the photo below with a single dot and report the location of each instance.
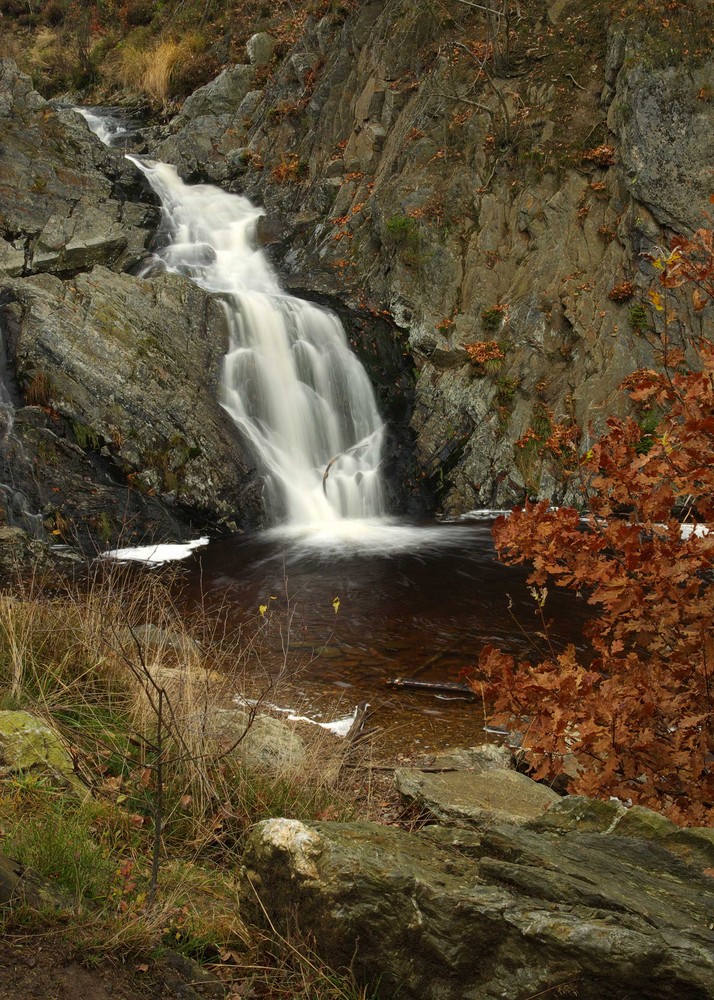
(260, 49)
(513, 914)
(260, 742)
(476, 798)
(576, 812)
(30, 744)
(221, 96)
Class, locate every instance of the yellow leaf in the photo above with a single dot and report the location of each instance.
(263, 608)
(657, 301)
(336, 604)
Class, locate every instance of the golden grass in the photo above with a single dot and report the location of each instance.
(152, 66)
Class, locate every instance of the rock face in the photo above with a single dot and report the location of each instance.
(507, 913)
(134, 366)
(465, 212)
(59, 209)
(117, 432)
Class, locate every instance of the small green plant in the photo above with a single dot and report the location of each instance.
(506, 389)
(54, 837)
(492, 319)
(104, 526)
(493, 366)
(638, 319)
(85, 436)
(403, 233)
(648, 425)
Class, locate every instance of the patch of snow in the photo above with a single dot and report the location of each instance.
(156, 555)
(340, 727)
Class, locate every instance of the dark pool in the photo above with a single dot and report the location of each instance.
(414, 601)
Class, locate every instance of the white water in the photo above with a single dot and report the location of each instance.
(104, 125)
(290, 382)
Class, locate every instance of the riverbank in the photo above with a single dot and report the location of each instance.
(139, 810)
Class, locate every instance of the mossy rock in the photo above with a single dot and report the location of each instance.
(29, 744)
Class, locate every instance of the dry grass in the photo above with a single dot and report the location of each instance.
(91, 657)
(153, 66)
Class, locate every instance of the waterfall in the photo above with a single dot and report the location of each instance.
(290, 382)
(107, 127)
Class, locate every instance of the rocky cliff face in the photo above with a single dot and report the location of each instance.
(456, 187)
(116, 430)
(465, 204)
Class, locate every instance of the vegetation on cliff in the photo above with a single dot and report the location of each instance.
(637, 717)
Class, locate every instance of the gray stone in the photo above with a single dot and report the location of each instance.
(666, 138)
(576, 812)
(694, 844)
(12, 258)
(221, 96)
(135, 364)
(260, 49)
(474, 798)
(643, 823)
(485, 757)
(258, 741)
(250, 103)
(519, 914)
(57, 210)
(16, 90)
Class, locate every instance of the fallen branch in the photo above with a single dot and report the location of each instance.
(571, 77)
(452, 687)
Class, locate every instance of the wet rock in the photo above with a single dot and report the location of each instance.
(520, 913)
(475, 798)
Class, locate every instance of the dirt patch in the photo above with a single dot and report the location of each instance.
(36, 966)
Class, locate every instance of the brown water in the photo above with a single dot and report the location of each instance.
(418, 605)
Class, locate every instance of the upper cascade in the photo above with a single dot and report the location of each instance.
(290, 381)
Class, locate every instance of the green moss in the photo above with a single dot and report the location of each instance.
(86, 436)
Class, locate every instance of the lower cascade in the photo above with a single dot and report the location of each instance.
(290, 382)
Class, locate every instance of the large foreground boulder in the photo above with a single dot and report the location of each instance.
(512, 913)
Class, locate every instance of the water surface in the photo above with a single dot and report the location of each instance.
(414, 601)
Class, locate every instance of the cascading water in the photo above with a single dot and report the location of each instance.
(106, 126)
(290, 381)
